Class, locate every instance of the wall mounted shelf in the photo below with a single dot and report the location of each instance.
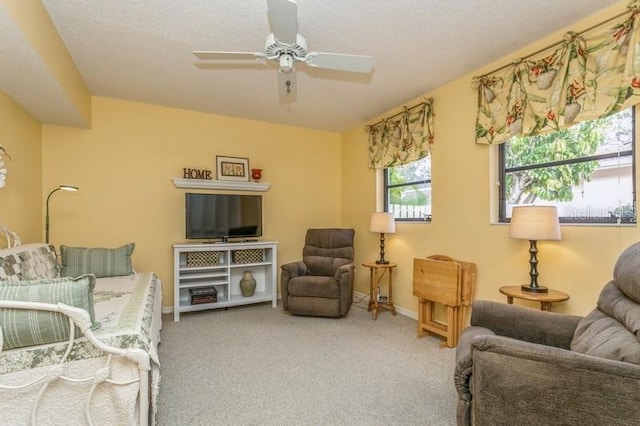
(220, 184)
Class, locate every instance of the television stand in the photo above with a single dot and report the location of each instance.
(221, 266)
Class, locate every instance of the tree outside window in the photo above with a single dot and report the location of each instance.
(587, 171)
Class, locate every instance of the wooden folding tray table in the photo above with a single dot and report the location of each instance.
(443, 280)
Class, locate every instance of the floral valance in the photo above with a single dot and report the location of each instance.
(586, 76)
(402, 138)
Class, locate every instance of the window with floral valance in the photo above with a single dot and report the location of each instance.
(585, 76)
(402, 138)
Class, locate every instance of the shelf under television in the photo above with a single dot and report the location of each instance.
(221, 184)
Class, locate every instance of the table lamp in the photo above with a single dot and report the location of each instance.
(534, 223)
(60, 188)
(384, 223)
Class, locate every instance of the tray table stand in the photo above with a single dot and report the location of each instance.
(443, 280)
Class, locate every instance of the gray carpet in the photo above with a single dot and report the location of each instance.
(255, 365)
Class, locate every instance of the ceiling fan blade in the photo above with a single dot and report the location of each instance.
(339, 61)
(205, 54)
(283, 16)
(287, 86)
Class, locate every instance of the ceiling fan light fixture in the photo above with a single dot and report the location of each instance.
(286, 62)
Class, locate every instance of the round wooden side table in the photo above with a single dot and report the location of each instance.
(545, 299)
(376, 272)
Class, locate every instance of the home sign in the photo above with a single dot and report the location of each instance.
(196, 174)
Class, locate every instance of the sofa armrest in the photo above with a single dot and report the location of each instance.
(516, 382)
(294, 269)
(463, 369)
(517, 322)
(344, 276)
(289, 271)
(345, 272)
(464, 362)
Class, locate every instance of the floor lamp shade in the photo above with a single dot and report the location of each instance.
(383, 223)
(534, 223)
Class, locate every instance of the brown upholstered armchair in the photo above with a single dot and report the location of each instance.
(322, 283)
(517, 366)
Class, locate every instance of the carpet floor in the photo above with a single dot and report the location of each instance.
(256, 365)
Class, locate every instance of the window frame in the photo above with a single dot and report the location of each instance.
(502, 175)
(385, 190)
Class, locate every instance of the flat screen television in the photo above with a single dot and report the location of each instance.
(223, 216)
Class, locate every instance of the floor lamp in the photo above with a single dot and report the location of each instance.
(384, 223)
(534, 223)
(60, 188)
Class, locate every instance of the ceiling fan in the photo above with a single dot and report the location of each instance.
(286, 47)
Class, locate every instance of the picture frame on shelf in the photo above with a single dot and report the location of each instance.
(232, 168)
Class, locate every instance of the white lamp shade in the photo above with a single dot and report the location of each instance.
(68, 188)
(534, 223)
(383, 223)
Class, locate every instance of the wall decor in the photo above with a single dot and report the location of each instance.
(232, 168)
(196, 174)
(256, 174)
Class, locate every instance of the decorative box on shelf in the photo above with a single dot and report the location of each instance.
(203, 258)
(248, 256)
(203, 295)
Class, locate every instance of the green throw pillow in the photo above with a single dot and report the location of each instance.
(101, 262)
(22, 327)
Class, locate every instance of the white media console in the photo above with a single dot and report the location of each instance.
(199, 268)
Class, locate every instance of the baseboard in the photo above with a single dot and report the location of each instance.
(361, 297)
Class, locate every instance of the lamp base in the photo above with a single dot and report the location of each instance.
(536, 289)
(382, 262)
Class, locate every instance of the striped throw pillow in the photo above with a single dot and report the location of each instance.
(101, 262)
(21, 327)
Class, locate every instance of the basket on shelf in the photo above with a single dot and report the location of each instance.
(203, 258)
(248, 256)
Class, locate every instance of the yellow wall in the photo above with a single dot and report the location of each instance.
(580, 264)
(20, 199)
(124, 164)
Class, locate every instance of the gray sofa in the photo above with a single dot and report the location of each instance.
(321, 284)
(520, 366)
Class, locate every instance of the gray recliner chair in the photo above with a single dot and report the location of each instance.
(322, 283)
(521, 366)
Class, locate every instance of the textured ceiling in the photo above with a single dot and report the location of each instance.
(141, 50)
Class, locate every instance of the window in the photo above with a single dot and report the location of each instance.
(587, 171)
(407, 191)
